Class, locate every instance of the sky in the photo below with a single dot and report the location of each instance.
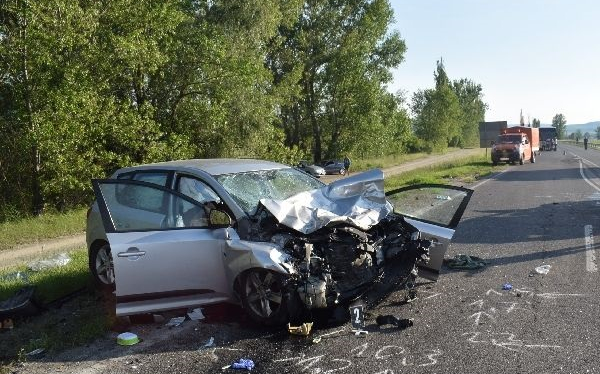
(538, 56)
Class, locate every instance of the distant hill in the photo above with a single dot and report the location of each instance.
(586, 127)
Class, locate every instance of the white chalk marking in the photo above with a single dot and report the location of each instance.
(556, 295)
(477, 317)
(432, 358)
(590, 252)
(479, 303)
(512, 306)
(490, 291)
(431, 296)
(380, 352)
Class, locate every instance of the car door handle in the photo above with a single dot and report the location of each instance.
(131, 252)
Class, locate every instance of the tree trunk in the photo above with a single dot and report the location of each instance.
(316, 129)
(36, 191)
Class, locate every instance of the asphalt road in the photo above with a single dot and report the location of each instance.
(528, 216)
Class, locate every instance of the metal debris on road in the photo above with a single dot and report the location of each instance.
(303, 329)
(175, 322)
(196, 314)
(392, 320)
(465, 262)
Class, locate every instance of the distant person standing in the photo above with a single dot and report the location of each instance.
(585, 141)
(347, 164)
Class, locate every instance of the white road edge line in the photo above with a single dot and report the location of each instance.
(489, 179)
(585, 178)
(590, 254)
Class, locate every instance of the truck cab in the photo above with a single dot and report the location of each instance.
(512, 147)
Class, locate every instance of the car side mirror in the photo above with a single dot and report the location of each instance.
(219, 218)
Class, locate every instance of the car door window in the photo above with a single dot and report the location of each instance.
(193, 215)
(438, 204)
(138, 206)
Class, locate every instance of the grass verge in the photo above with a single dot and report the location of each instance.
(70, 317)
(47, 226)
(391, 160)
(458, 172)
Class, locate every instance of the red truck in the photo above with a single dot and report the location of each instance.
(518, 143)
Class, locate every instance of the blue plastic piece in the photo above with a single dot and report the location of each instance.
(243, 364)
(507, 286)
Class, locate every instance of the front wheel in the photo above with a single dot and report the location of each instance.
(102, 266)
(342, 171)
(265, 297)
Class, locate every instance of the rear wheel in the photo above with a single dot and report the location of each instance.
(265, 297)
(102, 266)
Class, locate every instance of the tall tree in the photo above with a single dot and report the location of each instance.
(560, 123)
(536, 122)
(334, 62)
(437, 113)
(470, 99)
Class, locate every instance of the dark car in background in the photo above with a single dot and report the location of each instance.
(334, 167)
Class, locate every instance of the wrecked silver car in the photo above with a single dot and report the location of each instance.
(194, 232)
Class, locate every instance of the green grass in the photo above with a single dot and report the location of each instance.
(460, 172)
(47, 226)
(50, 284)
(66, 323)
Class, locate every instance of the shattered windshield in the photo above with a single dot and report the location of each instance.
(249, 187)
(511, 139)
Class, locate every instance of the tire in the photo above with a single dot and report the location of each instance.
(265, 298)
(342, 171)
(521, 159)
(533, 157)
(102, 266)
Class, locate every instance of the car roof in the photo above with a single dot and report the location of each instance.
(213, 166)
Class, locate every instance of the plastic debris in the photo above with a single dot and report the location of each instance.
(127, 338)
(507, 287)
(15, 276)
(465, 262)
(210, 343)
(441, 197)
(392, 320)
(35, 352)
(175, 321)
(317, 339)
(360, 332)
(53, 262)
(303, 329)
(243, 364)
(544, 269)
(196, 314)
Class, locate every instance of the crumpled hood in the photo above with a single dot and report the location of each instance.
(358, 200)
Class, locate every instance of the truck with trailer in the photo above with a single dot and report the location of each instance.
(516, 144)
